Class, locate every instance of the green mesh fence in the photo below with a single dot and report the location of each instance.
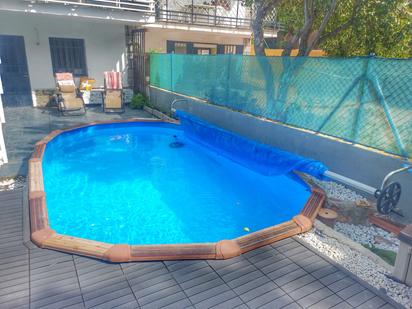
(367, 101)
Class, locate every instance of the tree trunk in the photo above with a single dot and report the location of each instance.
(257, 27)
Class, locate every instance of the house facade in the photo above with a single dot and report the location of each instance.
(87, 37)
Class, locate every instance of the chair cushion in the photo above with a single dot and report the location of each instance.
(113, 99)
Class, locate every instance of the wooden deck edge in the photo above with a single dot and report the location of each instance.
(43, 236)
(386, 224)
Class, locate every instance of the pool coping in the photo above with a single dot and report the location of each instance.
(44, 237)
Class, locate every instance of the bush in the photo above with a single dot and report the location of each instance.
(139, 101)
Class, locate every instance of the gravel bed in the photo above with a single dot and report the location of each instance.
(360, 265)
(338, 191)
(8, 183)
(368, 235)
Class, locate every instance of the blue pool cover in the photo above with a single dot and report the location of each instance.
(262, 158)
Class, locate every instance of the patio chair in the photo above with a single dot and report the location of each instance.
(112, 101)
(69, 100)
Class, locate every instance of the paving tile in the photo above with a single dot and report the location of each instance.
(265, 298)
(280, 269)
(296, 274)
(333, 277)
(251, 285)
(257, 291)
(280, 302)
(328, 302)
(350, 291)
(374, 302)
(228, 304)
(298, 283)
(341, 284)
(360, 298)
(342, 305)
(216, 300)
(306, 290)
(315, 297)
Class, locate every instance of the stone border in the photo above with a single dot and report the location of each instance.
(44, 237)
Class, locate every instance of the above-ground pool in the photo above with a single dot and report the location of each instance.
(136, 184)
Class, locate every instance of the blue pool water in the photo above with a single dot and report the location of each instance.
(123, 183)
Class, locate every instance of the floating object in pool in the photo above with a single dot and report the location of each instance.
(116, 138)
(176, 143)
(246, 229)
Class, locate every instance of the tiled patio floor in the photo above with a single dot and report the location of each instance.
(26, 125)
(283, 275)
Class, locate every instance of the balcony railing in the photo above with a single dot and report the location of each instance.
(217, 13)
(146, 6)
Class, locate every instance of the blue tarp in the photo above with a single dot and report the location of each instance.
(262, 158)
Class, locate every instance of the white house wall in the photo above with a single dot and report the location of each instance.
(156, 38)
(104, 43)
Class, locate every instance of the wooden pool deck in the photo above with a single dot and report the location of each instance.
(285, 274)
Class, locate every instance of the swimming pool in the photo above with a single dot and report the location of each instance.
(149, 185)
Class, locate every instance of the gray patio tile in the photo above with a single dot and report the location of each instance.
(306, 290)
(183, 303)
(328, 302)
(251, 285)
(324, 271)
(333, 277)
(201, 279)
(342, 305)
(257, 291)
(350, 291)
(204, 286)
(374, 302)
(387, 306)
(282, 271)
(159, 294)
(293, 305)
(263, 299)
(341, 284)
(296, 274)
(228, 304)
(298, 283)
(245, 278)
(208, 292)
(281, 302)
(360, 298)
(125, 301)
(215, 300)
(315, 297)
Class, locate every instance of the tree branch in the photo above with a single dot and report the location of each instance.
(322, 27)
(342, 27)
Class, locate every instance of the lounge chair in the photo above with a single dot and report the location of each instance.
(113, 101)
(69, 100)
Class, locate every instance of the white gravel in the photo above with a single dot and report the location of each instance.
(359, 264)
(8, 184)
(368, 235)
(338, 191)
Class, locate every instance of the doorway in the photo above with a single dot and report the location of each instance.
(14, 71)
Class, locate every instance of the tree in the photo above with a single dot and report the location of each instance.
(383, 28)
(262, 9)
(341, 27)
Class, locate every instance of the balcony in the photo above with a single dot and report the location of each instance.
(216, 13)
(144, 6)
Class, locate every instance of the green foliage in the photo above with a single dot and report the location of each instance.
(383, 28)
(139, 101)
(379, 27)
(386, 255)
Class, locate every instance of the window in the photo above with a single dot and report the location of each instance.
(68, 55)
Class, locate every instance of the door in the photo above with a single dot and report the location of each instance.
(14, 72)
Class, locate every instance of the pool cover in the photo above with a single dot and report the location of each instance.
(262, 158)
